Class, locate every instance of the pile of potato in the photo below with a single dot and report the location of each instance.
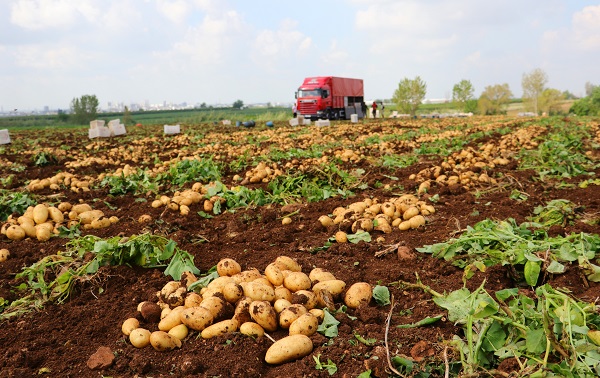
(404, 212)
(42, 221)
(262, 173)
(249, 302)
(62, 178)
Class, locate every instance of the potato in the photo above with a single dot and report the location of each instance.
(242, 310)
(247, 275)
(192, 300)
(218, 307)
(168, 289)
(25, 220)
(220, 328)
(325, 221)
(40, 213)
(171, 320)
(297, 281)
(228, 267)
(289, 314)
(358, 294)
(263, 280)
(196, 318)
(306, 298)
(403, 226)
(319, 275)
(341, 237)
(30, 230)
(129, 325)
(274, 275)
(280, 304)
(264, 314)
(4, 254)
(64, 206)
(282, 292)
(15, 232)
(81, 207)
(233, 292)
(287, 263)
(410, 212)
(306, 324)
(335, 287)
(417, 221)
(320, 314)
(252, 329)
(42, 233)
(56, 215)
(150, 311)
(139, 337)
(180, 331)
(258, 291)
(288, 349)
(162, 341)
(218, 284)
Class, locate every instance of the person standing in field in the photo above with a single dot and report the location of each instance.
(374, 111)
(294, 110)
(382, 109)
(363, 107)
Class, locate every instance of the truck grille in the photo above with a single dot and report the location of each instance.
(307, 107)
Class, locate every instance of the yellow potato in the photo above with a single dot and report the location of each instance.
(288, 349)
(247, 275)
(252, 329)
(15, 232)
(242, 310)
(25, 220)
(196, 318)
(180, 331)
(280, 304)
(129, 325)
(297, 281)
(306, 298)
(87, 217)
(264, 314)
(417, 221)
(403, 226)
(320, 314)
(358, 294)
(4, 254)
(64, 206)
(216, 306)
(220, 328)
(274, 275)
(410, 212)
(171, 320)
(289, 314)
(81, 207)
(55, 214)
(233, 292)
(40, 213)
(287, 263)
(192, 300)
(139, 337)
(258, 291)
(335, 287)
(228, 267)
(30, 230)
(282, 292)
(319, 275)
(306, 324)
(162, 341)
(341, 237)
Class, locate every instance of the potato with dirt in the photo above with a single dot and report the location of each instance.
(288, 349)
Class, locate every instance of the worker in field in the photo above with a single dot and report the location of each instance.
(382, 109)
(363, 106)
(374, 111)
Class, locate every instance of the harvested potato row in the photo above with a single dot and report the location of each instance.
(43, 221)
(369, 215)
(248, 301)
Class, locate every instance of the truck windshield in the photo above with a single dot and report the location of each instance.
(309, 92)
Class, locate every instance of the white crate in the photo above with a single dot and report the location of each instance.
(322, 122)
(117, 129)
(4, 137)
(306, 122)
(96, 123)
(172, 129)
(294, 122)
(354, 118)
(114, 122)
(99, 132)
(226, 122)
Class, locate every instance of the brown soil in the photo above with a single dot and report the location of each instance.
(59, 339)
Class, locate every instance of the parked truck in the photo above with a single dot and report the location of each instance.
(330, 97)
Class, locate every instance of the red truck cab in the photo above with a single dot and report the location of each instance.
(330, 97)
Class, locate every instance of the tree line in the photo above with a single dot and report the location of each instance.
(537, 97)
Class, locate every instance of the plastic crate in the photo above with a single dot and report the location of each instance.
(4, 136)
(172, 129)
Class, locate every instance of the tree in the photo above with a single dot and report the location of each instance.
(238, 104)
(127, 117)
(461, 93)
(589, 105)
(589, 88)
(84, 109)
(550, 100)
(533, 85)
(494, 98)
(410, 95)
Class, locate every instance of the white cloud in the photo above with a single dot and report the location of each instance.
(283, 42)
(586, 28)
(174, 10)
(335, 55)
(44, 57)
(41, 14)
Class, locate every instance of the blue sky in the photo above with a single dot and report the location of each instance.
(52, 51)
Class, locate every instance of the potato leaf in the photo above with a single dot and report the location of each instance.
(359, 236)
(381, 294)
(329, 326)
